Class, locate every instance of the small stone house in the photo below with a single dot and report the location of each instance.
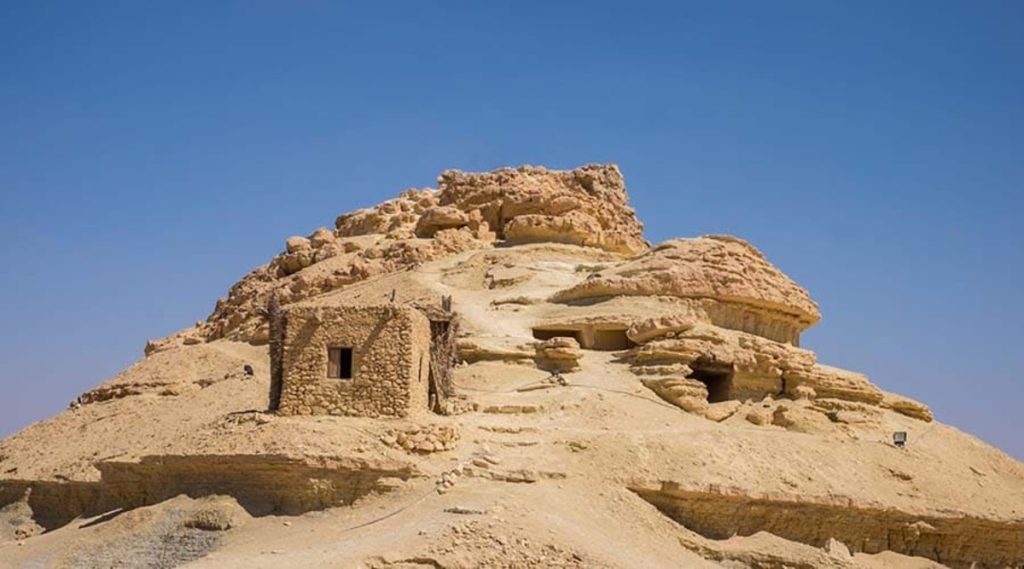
(365, 361)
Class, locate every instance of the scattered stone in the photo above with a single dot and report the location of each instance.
(423, 439)
(524, 409)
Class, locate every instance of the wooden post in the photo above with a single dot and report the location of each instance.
(277, 318)
(443, 331)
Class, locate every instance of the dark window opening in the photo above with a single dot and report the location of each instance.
(717, 378)
(548, 334)
(339, 363)
(611, 340)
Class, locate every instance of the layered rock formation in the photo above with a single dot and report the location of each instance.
(747, 292)
(559, 354)
(728, 313)
(587, 206)
(744, 366)
(594, 377)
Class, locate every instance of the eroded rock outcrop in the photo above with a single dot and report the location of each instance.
(587, 206)
(956, 541)
(906, 406)
(786, 444)
(559, 354)
(648, 329)
(747, 292)
(687, 394)
(738, 365)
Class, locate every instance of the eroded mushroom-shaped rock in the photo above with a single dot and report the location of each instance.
(559, 354)
(756, 296)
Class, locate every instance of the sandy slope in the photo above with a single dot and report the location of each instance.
(565, 459)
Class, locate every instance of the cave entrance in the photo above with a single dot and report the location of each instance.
(548, 334)
(611, 340)
(716, 377)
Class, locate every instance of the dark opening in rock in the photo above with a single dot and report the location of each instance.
(548, 334)
(717, 378)
(611, 340)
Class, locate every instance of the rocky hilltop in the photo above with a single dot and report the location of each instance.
(502, 372)
(587, 206)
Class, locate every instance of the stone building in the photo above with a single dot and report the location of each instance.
(366, 361)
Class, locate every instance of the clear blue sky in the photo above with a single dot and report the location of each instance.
(153, 152)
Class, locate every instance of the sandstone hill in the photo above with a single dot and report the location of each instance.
(588, 400)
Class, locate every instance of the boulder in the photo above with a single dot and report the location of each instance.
(296, 244)
(441, 217)
(721, 410)
(761, 414)
(574, 228)
(794, 417)
(321, 237)
(559, 354)
(838, 549)
(688, 394)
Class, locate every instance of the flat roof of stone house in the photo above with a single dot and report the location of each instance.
(376, 291)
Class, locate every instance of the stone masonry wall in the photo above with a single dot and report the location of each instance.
(390, 361)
